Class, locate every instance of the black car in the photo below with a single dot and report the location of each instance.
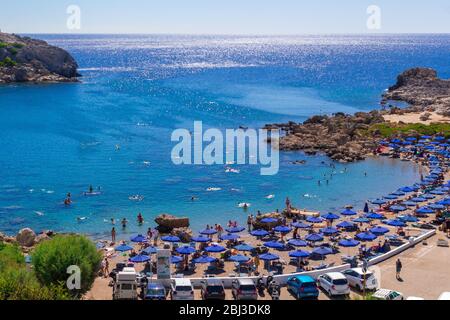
(212, 289)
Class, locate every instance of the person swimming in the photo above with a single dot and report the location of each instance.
(91, 189)
(140, 219)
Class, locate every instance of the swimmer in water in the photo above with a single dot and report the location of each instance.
(113, 221)
(91, 189)
(124, 223)
(140, 219)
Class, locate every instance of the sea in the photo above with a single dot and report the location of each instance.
(112, 130)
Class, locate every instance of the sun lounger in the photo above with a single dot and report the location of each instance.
(442, 243)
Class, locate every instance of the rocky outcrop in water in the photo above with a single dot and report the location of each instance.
(342, 137)
(422, 90)
(167, 222)
(23, 59)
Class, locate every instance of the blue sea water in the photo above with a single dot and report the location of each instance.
(136, 89)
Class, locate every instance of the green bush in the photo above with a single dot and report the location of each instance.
(3, 45)
(391, 129)
(52, 258)
(8, 62)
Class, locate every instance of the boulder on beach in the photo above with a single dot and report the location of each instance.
(185, 234)
(26, 237)
(257, 224)
(169, 221)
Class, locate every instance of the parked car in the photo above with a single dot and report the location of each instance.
(303, 287)
(181, 289)
(334, 284)
(414, 298)
(212, 289)
(244, 289)
(386, 294)
(355, 279)
(125, 285)
(155, 291)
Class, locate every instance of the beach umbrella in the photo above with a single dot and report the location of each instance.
(437, 206)
(139, 258)
(331, 216)
(411, 139)
(139, 238)
(239, 258)
(395, 223)
(397, 208)
(185, 250)
(244, 247)
(282, 229)
(418, 199)
(170, 239)
(208, 232)
(301, 225)
(229, 236)
(436, 192)
(299, 254)
(366, 236)
(361, 220)
(201, 239)
(269, 257)
(426, 137)
(374, 216)
(314, 237)
(149, 250)
(445, 202)
(408, 189)
(439, 138)
(123, 248)
(274, 245)
(348, 243)
(297, 243)
(391, 197)
(204, 260)
(348, 212)
(425, 210)
(345, 225)
(396, 141)
(235, 229)
(215, 248)
(175, 259)
(322, 251)
(378, 230)
(398, 193)
(329, 231)
(408, 218)
(259, 233)
(409, 203)
(314, 219)
(379, 202)
(269, 220)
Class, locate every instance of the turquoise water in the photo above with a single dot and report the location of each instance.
(136, 90)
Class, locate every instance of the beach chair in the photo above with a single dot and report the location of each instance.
(442, 243)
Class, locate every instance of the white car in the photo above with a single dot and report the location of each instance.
(355, 279)
(385, 294)
(444, 296)
(181, 289)
(334, 284)
(414, 298)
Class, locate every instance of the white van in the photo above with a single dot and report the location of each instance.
(181, 289)
(125, 286)
(444, 296)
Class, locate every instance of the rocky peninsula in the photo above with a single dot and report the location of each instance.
(348, 138)
(23, 59)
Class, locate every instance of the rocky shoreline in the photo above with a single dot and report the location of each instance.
(23, 59)
(348, 138)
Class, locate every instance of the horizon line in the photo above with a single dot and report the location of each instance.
(237, 34)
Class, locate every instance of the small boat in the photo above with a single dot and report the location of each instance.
(211, 189)
(244, 205)
(270, 197)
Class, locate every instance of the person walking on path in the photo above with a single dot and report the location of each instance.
(398, 269)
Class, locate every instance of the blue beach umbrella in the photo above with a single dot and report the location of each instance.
(301, 225)
(398, 193)
(269, 220)
(175, 259)
(391, 197)
(297, 243)
(348, 212)
(331, 216)
(229, 236)
(123, 248)
(445, 202)
(282, 229)
(345, 225)
(204, 260)
(348, 243)
(366, 236)
(329, 231)
(395, 223)
(215, 249)
(379, 202)
(208, 232)
(314, 219)
(397, 208)
(170, 239)
(244, 247)
(140, 258)
(361, 220)
(374, 216)
(201, 239)
(436, 192)
(408, 189)
(185, 250)
(437, 206)
(418, 199)
(314, 237)
(322, 251)
(409, 204)
(239, 258)
(378, 230)
(408, 218)
(235, 229)
(269, 257)
(139, 238)
(274, 245)
(425, 210)
(149, 250)
(299, 254)
(259, 233)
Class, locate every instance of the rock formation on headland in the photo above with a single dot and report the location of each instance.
(23, 59)
(422, 90)
(347, 138)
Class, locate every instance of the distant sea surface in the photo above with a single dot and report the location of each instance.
(136, 89)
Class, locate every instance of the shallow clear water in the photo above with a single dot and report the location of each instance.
(61, 138)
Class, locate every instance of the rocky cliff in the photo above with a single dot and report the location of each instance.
(23, 59)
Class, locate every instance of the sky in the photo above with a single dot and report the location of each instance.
(226, 16)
